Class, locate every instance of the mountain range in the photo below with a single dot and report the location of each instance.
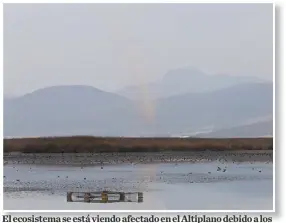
(85, 110)
(185, 80)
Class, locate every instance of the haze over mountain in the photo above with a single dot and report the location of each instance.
(64, 110)
(8, 96)
(185, 80)
(85, 110)
(77, 49)
(221, 108)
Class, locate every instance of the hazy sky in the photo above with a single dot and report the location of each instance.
(113, 45)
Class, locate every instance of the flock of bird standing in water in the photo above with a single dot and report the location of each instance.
(132, 159)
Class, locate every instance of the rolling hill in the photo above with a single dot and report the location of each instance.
(85, 110)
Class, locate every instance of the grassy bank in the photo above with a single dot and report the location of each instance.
(78, 144)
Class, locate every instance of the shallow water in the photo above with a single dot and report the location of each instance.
(172, 186)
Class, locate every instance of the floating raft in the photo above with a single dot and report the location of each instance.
(104, 197)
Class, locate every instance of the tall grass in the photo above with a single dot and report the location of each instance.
(79, 144)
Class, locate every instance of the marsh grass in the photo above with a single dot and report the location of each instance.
(83, 144)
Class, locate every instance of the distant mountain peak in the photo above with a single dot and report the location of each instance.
(187, 80)
(67, 88)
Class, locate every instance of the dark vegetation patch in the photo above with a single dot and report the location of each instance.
(88, 144)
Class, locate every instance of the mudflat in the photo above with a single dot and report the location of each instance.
(138, 157)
